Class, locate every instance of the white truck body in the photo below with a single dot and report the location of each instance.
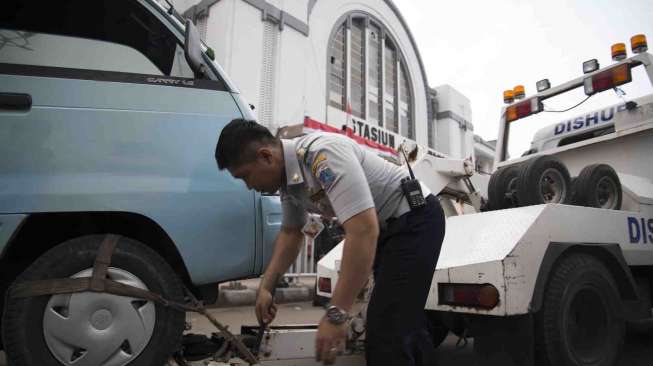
(517, 250)
(514, 250)
(506, 248)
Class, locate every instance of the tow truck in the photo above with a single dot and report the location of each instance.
(553, 268)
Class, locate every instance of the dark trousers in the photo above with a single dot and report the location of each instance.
(407, 253)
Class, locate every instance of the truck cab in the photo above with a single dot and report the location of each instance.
(110, 112)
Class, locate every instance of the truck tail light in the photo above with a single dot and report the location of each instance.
(523, 109)
(324, 284)
(608, 79)
(483, 296)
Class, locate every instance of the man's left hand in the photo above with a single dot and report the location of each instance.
(329, 341)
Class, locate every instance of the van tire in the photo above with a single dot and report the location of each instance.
(24, 318)
(581, 320)
(502, 188)
(598, 186)
(543, 179)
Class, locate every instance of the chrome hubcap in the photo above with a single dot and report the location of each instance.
(85, 329)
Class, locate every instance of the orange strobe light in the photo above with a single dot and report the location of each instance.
(638, 43)
(618, 51)
(508, 96)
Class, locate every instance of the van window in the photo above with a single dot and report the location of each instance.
(105, 35)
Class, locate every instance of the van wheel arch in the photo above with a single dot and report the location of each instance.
(43, 231)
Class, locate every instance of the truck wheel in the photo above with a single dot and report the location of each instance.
(95, 328)
(580, 322)
(598, 186)
(502, 188)
(572, 197)
(543, 179)
(436, 328)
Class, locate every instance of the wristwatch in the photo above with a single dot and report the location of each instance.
(336, 316)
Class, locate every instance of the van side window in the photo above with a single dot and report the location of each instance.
(107, 35)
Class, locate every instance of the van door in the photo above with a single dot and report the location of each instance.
(99, 112)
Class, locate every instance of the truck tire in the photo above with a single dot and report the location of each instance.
(572, 198)
(580, 322)
(598, 186)
(436, 328)
(502, 188)
(543, 179)
(50, 330)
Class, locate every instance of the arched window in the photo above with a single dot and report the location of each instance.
(405, 105)
(374, 74)
(337, 59)
(368, 75)
(390, 91)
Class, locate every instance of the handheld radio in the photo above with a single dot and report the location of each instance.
(411, 189)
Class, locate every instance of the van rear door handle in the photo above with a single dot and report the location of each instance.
(15, 102)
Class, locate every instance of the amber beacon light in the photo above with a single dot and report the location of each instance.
(638, 43)
(508, 96)
(618, 51)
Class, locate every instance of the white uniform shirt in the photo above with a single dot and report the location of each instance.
(331, 175)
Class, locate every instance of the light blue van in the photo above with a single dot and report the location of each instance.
(109, 117)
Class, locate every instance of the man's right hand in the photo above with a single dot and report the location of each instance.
(266, 310)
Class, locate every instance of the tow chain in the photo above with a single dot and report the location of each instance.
(99, 283)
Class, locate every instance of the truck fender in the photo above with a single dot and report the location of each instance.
(609, 254)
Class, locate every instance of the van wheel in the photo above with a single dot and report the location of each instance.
(502, 188)
(598, 186)
(543, 179)
(95, 328)
(580, 322)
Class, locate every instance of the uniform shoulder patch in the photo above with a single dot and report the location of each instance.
(326, 176)
(319, 160)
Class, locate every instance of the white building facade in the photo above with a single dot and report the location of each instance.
(344, 63)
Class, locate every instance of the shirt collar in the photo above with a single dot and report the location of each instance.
(293, 170)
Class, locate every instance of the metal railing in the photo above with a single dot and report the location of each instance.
(304, 265)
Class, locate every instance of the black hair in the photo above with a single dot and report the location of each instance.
(237, 142)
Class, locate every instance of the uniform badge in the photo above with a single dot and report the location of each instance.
(326, 177)
(321, 158)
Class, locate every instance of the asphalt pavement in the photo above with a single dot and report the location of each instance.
(638, 350)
